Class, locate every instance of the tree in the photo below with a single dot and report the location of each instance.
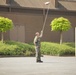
(5, 24)
(60, 24)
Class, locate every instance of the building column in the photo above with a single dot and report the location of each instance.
(55, 3)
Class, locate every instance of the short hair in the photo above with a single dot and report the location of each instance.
(36, 33)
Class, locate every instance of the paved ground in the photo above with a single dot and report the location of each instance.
(28, 66)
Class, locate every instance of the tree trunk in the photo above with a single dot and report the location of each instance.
(2, 37)
(60, 37)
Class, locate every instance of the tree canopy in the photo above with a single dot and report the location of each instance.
(5, 24)
(60, 24)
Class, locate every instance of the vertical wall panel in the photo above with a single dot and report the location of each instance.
(18, 33)
(14, 33)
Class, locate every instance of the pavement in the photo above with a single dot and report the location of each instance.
(27, 66)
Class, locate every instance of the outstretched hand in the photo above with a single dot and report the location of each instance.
(41, 31)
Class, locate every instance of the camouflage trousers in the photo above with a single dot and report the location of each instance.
(38, 53)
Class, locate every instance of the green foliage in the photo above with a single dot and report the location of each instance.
(64, 49)
(11, 48)
(5, 24)
(60, 24)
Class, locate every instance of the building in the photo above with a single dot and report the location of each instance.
(28, 17)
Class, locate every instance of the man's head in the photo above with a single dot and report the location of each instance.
(37, 34)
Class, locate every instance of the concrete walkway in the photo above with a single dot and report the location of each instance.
(28, 66)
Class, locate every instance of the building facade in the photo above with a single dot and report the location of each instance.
(28, 17)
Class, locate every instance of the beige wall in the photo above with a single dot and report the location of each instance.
(26, 24)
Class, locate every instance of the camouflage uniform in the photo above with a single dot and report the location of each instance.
(37, 47)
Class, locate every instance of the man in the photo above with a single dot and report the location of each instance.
(37, 46)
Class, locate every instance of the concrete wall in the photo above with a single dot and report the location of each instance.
(26, 24)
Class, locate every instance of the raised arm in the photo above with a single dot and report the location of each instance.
(41, 34)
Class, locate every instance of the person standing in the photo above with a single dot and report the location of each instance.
(37, 45)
